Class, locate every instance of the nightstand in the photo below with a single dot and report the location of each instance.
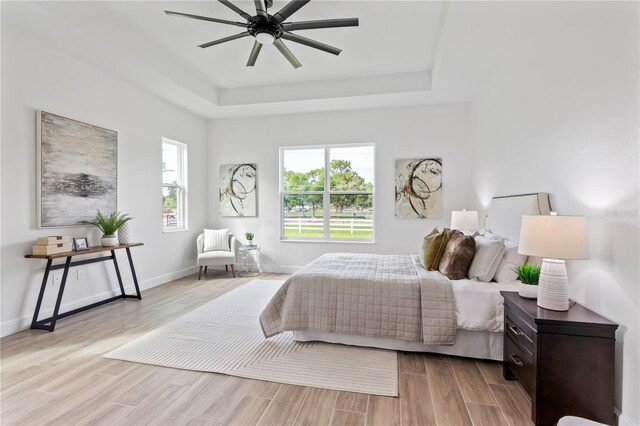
(564, 360)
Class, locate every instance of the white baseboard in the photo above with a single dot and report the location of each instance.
(18, 324)
(279, 269)
(622, 420)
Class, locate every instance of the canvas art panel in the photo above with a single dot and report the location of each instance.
(419, 188)
(77, 170)
(237, 190)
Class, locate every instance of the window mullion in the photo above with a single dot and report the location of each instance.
(326, 200)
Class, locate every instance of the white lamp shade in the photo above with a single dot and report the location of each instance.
(557, 237)
(465, 219)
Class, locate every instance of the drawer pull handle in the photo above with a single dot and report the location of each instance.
(514, 330)
(518, 333)
(516, 360)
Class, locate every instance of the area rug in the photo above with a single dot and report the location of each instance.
(224, 336)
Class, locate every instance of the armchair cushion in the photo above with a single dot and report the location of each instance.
(216, 240)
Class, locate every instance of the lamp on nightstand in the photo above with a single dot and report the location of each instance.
(465, 219)
(555, 239)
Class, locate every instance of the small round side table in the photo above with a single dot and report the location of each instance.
(250, 261)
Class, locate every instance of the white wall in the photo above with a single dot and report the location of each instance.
(398, 133)
(560, 114)
(35, 76)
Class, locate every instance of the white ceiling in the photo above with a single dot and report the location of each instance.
(403, 52)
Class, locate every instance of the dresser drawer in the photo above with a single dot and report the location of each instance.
(521, 364)
(519, 331)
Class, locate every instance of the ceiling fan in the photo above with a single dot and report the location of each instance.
(271, 29)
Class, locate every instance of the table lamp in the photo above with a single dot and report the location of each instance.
(555, 239)
(464, 219)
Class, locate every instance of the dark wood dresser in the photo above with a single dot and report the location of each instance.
(564, 360)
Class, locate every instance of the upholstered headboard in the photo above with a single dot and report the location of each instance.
(505, 212)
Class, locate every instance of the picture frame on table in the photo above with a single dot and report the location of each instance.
(80, 244)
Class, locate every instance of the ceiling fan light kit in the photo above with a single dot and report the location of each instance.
(271, 29)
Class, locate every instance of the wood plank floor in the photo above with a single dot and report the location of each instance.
(60, 378)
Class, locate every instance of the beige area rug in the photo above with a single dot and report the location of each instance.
(224, 336)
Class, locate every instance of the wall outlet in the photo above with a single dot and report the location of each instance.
(81, 274)
(57, 279)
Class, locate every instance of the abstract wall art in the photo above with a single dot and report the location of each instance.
(419, 188)
(77, 170)
(237, 190)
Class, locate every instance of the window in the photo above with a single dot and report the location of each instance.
(174, 185)
(327, 193)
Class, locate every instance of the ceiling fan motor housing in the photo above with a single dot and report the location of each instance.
(258, 24)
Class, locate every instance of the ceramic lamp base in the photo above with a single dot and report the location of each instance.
(553, 287)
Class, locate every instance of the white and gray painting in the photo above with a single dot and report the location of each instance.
(237, 190)
(419, 188)
(78, 170)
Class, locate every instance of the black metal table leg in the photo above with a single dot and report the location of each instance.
(115, 264)
(56, 310)
(41, 295)
(133, 273)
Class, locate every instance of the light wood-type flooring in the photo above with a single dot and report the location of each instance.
(61, 378)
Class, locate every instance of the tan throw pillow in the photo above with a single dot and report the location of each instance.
(489, 253)
(433, 246)
(457, 255)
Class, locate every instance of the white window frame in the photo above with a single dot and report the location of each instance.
(181, 187)
(326, 196)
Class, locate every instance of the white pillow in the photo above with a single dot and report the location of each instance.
(216, 240)
(511, 259)
(488, 255)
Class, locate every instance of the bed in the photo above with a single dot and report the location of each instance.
(390, 301)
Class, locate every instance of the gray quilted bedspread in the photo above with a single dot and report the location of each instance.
(365, 294)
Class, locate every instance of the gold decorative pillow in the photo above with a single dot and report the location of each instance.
(433, 247)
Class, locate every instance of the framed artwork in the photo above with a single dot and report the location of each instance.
(77, 171)
(80, 244)
(237, 190)
(419, 188)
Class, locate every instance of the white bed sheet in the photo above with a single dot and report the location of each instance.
(479, 306)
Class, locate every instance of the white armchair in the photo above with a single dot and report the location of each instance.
(217, 257)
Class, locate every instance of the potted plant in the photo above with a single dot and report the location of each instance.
(529, 274)
(249, 236)
(109, 226)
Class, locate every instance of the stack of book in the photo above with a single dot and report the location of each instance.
(52, 245)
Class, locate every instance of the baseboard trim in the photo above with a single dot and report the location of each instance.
(18, 324)
(622, 420)
(279, 269)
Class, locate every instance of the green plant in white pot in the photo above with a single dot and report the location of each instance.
(528, 274)
(249, 236)
(109, 226)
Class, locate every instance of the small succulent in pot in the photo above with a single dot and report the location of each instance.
(249, 236)
(529, 275)
(108, 225)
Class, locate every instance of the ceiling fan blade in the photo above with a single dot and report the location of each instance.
(261, 8)
(205, 18)
(236, 9)
(289, 9)
(311, 43)
(257, 46)
(224, 40)
(325, 23)
(287, 53)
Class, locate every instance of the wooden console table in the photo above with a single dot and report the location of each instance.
(49, 324)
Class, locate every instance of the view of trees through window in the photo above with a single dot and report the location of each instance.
(173, 185)
(346, 194)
